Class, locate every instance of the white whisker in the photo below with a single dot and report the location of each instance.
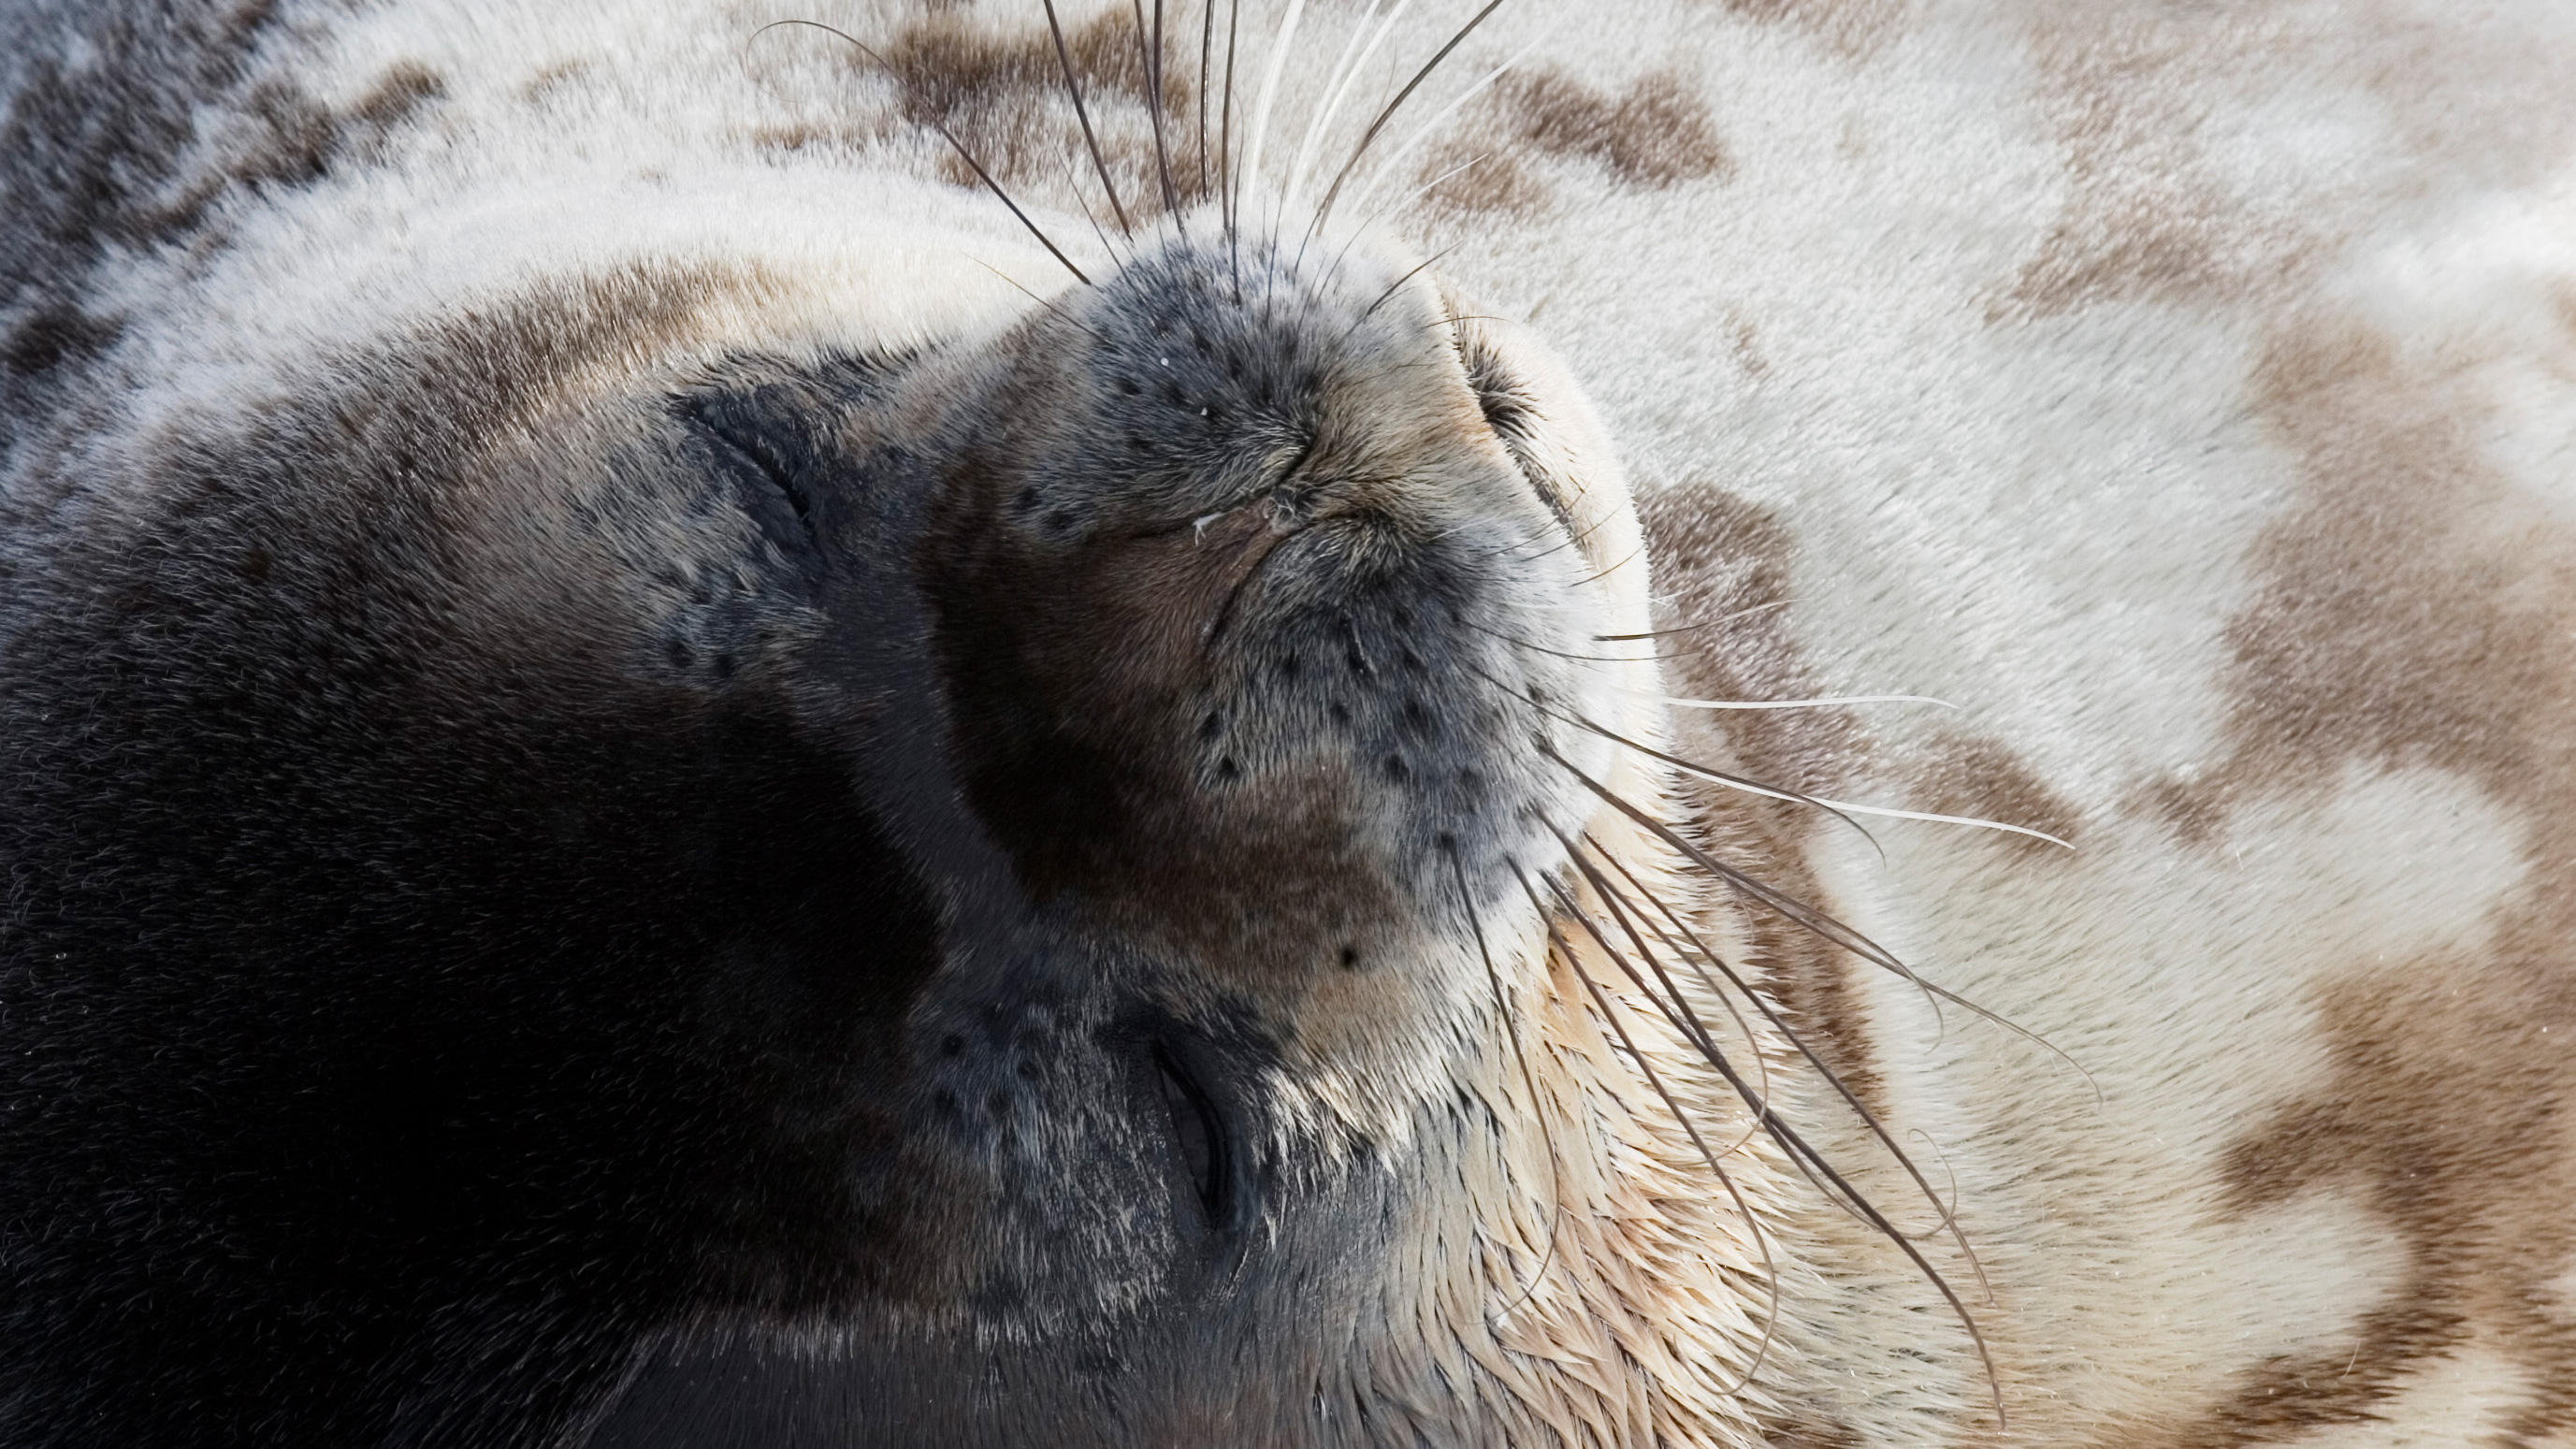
(1334, 80)
(1395, 162)
(1749, 788)
(1270, 89)
(1818, 703)
(1345, 76)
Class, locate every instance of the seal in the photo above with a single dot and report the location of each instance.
(933, 725)
(665, 852)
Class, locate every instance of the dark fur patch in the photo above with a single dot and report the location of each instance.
(1717, 556)
(1657, 134)
(92, 159)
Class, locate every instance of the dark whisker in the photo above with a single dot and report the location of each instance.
(1073, 184)
(1225, 181)
(1207, 44)
(1153, 59)
(1789, 1139)
(1753, 1224)
(946, 135)
(1700, 953)
(1614, 568)
(1392, 288)
(1817, 922)
(1536, 648)
(1740, 782)
(1538, 1107)
(1324, 210)
(1570, 541)
(1073, 88)
(1697, 1031)
(1097, 335)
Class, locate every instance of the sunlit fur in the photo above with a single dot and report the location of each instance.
(2172, 405)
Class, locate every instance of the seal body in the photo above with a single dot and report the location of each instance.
(946, 732)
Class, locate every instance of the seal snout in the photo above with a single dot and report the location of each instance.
(1253, 591)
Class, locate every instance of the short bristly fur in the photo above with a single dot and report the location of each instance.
(932, 723)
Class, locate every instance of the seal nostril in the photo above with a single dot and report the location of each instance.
(1199, 1132)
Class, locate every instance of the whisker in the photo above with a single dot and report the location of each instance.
(1392, 288)
(1395, 163)
(1041, 301)
(1795, 1144)
(946, 135)
(1814, 921)
(1324, 210)
(1614, 568)
(1948, 1208)
(1338, 80)
(1538, 1108)
(1750, 787)
(1374, 217)
(1720, 777)
(1270, 87)
(1571, 540)
(1153, 60)
(1073, 185)
(1537, 648)
(1837, 807)
(1646, 1069)
(1207, 44)
(1228, 202)
(1696, 628)
(1821, 702)
(1705, 1040)
(1700, 953)
(1073, 88)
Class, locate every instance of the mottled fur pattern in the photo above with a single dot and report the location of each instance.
(664, 789)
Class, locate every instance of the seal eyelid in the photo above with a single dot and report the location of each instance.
(754, 451)
(1200, 1133)
(1267, 484)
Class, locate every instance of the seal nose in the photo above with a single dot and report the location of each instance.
(1243, 594)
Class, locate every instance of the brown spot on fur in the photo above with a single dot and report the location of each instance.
(1462, 181)
(404, 88)
(2145, 219)
(1978, 777)
(2149, 101)
(1803, 1427)
(1718, 558)
(1658, 134)
(1745, 341)
(1853, 28)
(2414, 615)
(2445, 1112)
(1004, 98)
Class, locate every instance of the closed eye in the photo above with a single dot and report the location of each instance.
(1199, 1132)
(767, 482)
